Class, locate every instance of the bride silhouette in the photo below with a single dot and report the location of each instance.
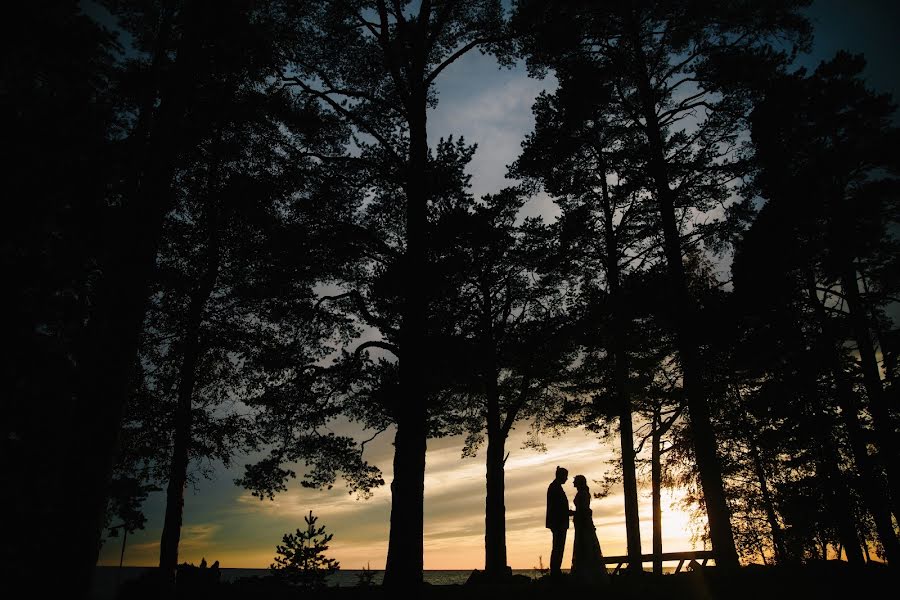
(587, 558)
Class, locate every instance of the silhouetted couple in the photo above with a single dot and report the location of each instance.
(587, 558)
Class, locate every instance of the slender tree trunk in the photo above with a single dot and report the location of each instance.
(838, 499)
(890, 396)
(656, 484)
(620, 377)
(827, 460)
(495, 508)
(885, 435)
(888, 356)
(171, 534)
(768, 504)
(872, 480)
(703, 435)
(704, 438)
(406, 542)
(759, 470)
(89, 431)
(629, 472)
(761, 550)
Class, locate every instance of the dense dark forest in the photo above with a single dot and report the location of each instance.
(229, 224)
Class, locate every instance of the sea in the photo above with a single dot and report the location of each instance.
(107, 579)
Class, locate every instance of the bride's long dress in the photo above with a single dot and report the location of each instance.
(587, 558)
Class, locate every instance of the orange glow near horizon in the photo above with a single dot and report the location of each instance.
(242, 531)
(462, 553)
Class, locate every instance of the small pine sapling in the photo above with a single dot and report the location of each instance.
(301, 559)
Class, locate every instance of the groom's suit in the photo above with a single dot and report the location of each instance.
(557, 523)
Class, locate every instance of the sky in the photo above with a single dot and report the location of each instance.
(491, 107)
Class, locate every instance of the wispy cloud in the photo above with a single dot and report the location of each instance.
(492, 108)
(199, 535)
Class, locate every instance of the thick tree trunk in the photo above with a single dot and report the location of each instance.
(694, 387)
(89, 428)
(885, 436)
(495, 508)
(406, 540)
(620, 378)
(874, 488)
(171, 534)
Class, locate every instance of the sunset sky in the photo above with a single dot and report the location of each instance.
(492, 108)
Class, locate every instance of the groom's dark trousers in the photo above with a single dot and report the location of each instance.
(556, 555)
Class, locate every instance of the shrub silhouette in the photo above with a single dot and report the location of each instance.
(366, 577)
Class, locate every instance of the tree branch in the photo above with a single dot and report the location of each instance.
(362, 445)
(343, 111)
(513, 411)
(376, 344)
(368, 25)
(360, 303)
(678, 66)
(385, 41)
(452, 58)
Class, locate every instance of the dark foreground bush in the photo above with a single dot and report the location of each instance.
(822, 581)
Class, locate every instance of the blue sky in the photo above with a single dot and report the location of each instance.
(490, 107)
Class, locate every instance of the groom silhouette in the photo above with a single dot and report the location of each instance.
(558, 519)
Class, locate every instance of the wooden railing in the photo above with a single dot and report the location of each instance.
(700, 555)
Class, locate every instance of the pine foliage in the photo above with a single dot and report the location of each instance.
(301, 559)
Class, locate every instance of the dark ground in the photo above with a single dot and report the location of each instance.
(831, 580)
